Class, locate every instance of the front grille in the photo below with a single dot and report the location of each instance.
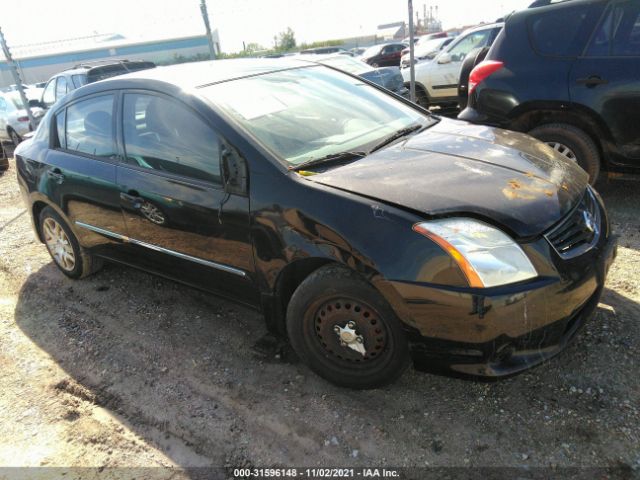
(580, 229)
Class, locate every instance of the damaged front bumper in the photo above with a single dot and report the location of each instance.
(501, 332)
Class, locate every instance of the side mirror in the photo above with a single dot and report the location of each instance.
(444, 58)
(234, 171)
(35, 103)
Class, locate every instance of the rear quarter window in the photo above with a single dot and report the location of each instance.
(565, 31)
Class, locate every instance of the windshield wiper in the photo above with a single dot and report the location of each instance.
(333, 158)
(403, 132)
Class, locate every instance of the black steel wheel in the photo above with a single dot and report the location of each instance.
(344, 330)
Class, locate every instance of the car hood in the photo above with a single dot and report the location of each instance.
(452, 168)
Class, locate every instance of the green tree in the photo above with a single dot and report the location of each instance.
(286, 40)
(253, 47)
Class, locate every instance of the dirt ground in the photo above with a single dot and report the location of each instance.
(127, 370)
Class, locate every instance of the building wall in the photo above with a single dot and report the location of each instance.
(41, 68)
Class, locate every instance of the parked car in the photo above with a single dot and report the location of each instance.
(387, 77)
(567, 74)
(14, 120)
(14, 88)
(425, 38)
(62, 83)
(385, 55)
(324, 51)
(364, 228)
(357, 51)
(437, 80)
(424, 51)
(473, 58)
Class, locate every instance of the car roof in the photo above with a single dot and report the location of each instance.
(484, 26)
(198, 74)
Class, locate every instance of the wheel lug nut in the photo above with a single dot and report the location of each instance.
(359, 339)
(336, 329)
(351, 325)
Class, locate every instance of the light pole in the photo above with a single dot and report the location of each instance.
(16, 78)
(207, 26)
(412, 69)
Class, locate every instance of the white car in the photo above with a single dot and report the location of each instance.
(14, 121)
(437, 79)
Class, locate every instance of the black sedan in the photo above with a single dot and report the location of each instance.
(366, 230)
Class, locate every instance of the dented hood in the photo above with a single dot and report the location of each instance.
(457, 168)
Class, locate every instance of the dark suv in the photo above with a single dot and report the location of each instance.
(62, 83)
(567, 73)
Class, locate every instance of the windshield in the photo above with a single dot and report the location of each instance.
(346, 63)
(309, 113)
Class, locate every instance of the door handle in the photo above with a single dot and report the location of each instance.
(132, 198)
(592, 81)
(56, 175)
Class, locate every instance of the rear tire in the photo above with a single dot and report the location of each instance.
(333, 298)
(577, 141)
(63, 246)
(422, 98)
(15, 138)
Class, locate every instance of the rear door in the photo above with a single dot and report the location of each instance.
(180, 220)
(606, 78)
(79, 172)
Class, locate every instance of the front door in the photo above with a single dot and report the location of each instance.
(181, 221)
(606, 78)
(447, 66)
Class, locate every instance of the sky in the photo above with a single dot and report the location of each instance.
(237, 21)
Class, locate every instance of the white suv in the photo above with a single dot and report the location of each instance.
(437, 79)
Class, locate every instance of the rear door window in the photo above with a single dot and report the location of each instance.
(619, 33)
(79, 80)
(565, 31)
(89, 127)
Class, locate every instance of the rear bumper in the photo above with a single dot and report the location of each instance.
(501, 334)
(472, 115)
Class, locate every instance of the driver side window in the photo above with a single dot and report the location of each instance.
(468, 43)
(165, 135)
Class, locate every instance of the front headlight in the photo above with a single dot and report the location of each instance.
(487, 256)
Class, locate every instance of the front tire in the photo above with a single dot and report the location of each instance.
(345, 331)
(573, 143)
(63, 246)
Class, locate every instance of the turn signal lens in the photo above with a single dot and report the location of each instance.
(486, 256)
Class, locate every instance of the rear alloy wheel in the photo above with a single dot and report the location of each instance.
(64, 248)
(342, 328)
(572, 143)
(15, 138)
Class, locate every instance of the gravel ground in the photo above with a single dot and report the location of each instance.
(127, 370)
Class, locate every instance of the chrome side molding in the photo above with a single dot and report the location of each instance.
(184, 256)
